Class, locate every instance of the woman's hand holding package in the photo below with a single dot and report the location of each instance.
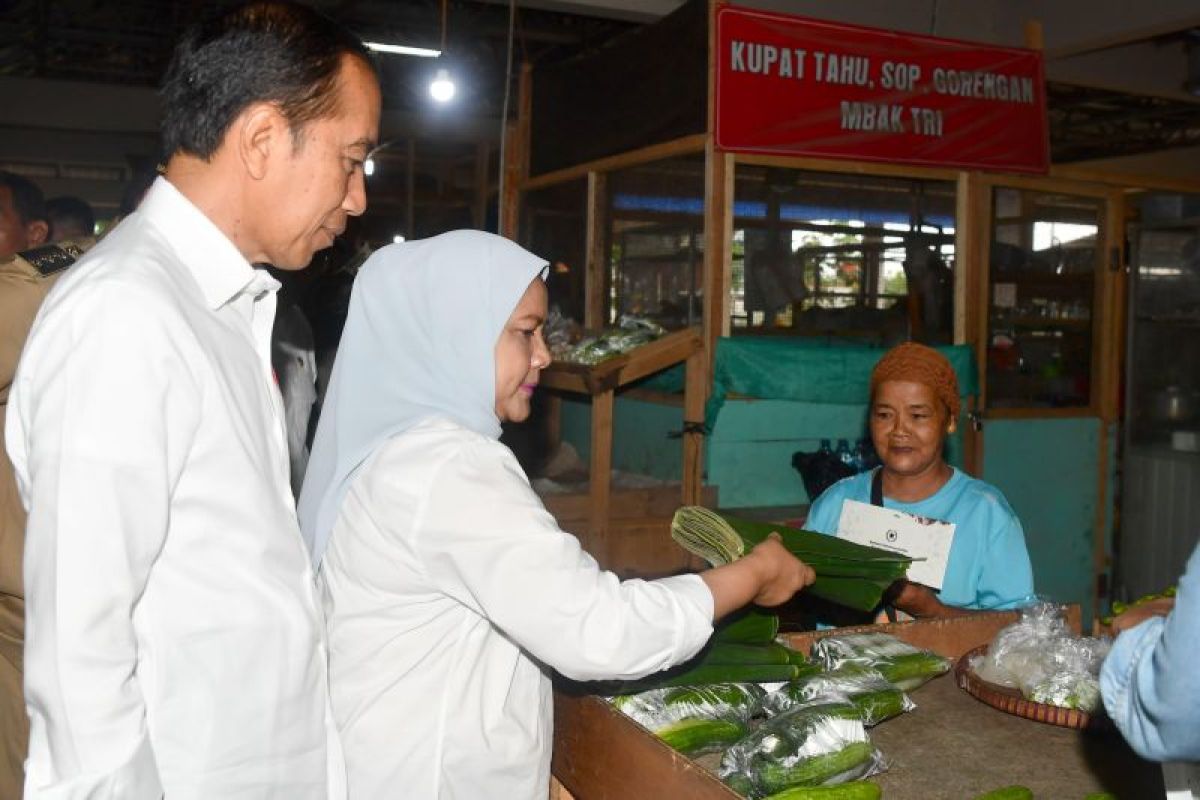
(768, 575)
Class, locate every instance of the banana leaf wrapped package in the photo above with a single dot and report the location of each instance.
(848, 574)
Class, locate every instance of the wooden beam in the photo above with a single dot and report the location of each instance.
(686, 145)
(600, 475)
(596, 267)
(849, 167)
(694, 393)
(1130, 182)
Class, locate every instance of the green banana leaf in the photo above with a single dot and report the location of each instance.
(848, 574)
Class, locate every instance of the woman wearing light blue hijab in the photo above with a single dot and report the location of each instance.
(447, 585)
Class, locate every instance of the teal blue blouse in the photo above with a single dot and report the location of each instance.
(989, 563)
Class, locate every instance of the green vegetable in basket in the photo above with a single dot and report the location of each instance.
(849, 574)
(855, 790)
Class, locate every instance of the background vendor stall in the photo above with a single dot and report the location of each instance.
(747, 192)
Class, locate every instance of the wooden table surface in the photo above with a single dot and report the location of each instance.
(953, 746)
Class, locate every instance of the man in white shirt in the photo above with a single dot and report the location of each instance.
(175, 642)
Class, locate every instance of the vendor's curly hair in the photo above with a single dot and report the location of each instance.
(916, 362)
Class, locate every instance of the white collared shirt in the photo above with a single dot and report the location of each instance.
(174, 640)
(447, 586)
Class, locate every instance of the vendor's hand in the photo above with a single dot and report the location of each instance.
(781, 574)
(1142, 612)
(918, 600)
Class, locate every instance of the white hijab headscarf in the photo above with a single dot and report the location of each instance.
(419, 342)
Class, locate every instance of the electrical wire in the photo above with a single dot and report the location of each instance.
(512, 16)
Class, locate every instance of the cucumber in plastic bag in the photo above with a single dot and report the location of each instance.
(872, 694)
(822, 743)
(903, 665)
(695, 719)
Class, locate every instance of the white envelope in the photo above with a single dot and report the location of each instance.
(900, 532)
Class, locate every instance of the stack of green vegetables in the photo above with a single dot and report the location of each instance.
(813, 741)
(743, 650)
(848, 574)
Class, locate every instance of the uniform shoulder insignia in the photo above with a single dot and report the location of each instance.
(53, 258)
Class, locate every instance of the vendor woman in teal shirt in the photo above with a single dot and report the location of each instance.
(914, 407)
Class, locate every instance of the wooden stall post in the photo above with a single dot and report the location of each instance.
(594, 316)
(515, 164)
(972, 245)
(601, 473)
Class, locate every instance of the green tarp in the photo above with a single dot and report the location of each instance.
(808, 370)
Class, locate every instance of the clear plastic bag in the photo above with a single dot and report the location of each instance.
(1041, 656)
(695, 719)
(822, 743)
(865, 687)
(903, 665)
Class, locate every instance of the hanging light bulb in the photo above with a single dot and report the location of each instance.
(369, 167)
(442, 88)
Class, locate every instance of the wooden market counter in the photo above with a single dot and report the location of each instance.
(950, 747)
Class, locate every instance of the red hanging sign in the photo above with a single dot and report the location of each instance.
(795, 86)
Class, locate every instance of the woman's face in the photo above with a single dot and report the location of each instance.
(909, 425)
(521, 354)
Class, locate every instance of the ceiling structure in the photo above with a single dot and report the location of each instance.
(1115, 86)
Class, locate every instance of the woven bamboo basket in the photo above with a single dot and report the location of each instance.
(1013, 702)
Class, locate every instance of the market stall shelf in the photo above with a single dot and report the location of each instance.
(951, 746)
(1011, 701)
(603, 533)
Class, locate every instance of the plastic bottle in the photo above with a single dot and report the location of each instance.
(843, 452)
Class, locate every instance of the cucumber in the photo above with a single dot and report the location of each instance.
(877, 706)
(856, 790)
(1007, 793)
(910, 671)
(729, 653)
(751, 626)
(744, 697)
(818, 769)
(692, 736)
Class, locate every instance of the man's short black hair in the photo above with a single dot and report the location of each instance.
(27, 199)
(278, 52)
(72, 214)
